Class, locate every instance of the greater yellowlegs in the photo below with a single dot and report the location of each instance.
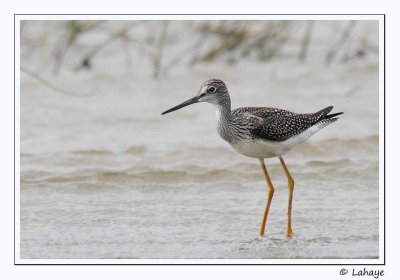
(261, 132)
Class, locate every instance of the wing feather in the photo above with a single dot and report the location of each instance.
(280, 125)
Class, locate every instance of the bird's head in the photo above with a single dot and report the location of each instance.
(213, 91)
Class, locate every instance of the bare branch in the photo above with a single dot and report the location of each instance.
(49, 84)
(336, 48)
(306, 40)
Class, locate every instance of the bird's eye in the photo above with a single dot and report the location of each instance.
(211, 89)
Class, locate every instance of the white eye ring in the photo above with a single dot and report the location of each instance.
(212, 89)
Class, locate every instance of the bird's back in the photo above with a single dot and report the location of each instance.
(274, 124)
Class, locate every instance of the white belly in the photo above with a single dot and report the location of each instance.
(260, 149)
(268, 149)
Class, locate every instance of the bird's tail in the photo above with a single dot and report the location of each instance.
(333, 115)
(324, 116)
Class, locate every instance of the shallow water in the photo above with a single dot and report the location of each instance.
(106, 176)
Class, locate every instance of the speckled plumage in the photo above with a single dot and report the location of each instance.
(279, 125)
(262, 131)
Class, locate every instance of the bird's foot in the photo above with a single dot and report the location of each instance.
(289, 233)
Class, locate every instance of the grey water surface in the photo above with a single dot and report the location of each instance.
(104, 175)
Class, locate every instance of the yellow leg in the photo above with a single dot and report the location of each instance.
(289, 231)
(270, 195)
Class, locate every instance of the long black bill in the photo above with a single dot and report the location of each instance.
(184, 104)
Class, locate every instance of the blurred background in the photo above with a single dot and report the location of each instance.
(104, 175)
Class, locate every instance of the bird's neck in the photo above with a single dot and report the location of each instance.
(225, 121)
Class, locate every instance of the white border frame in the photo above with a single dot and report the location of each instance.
(379, 261)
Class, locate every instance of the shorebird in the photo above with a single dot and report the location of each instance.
(261, 132)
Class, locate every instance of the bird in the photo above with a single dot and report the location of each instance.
(261, 133)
